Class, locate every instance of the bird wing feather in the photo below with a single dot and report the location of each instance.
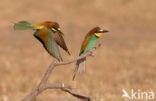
(60, 40)
(84, 44)
(49, 44)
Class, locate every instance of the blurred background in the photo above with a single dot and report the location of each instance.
(126, 59)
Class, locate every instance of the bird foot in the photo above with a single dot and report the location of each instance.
(92, 54)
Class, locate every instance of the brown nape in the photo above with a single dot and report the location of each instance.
(94, 30)
(52, 24)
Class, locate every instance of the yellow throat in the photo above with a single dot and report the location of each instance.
(98, 35)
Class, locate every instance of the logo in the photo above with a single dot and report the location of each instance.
(138, 94)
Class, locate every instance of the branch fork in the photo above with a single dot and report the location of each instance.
(44, 85)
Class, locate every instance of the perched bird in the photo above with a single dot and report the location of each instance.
(49, 34)
(87, 45)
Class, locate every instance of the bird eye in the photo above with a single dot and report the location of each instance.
(53, 29)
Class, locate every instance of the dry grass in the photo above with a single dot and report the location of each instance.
(126, 59)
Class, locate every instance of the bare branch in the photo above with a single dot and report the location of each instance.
(67, 89)
(79, 96)
(44, 85)
(80, 57)
(47, 73)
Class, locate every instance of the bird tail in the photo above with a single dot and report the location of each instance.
(23, 25)
(80, 67)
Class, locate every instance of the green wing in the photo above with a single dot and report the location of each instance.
(50, 45)
(23, 25)
(90, 44)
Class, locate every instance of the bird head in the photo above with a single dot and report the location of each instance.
(47, 24)
(98, 31)
(50, 24)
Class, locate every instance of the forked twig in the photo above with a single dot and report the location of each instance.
(44, 85)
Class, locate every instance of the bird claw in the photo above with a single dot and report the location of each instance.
(91, 54)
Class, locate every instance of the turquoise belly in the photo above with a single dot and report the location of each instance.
(91, 44)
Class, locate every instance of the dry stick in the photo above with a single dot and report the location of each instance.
(43, 85)
(80, 57)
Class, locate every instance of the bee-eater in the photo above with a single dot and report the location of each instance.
(88, 44)
(49, 34)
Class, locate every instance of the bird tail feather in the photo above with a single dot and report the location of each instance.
(80, 67)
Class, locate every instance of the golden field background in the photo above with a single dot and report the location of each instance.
(125, 60)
